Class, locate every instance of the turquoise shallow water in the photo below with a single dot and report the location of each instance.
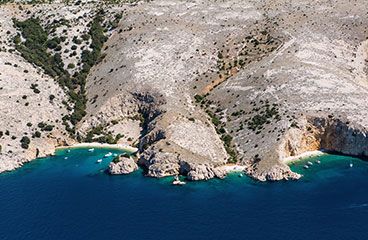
(57, 198)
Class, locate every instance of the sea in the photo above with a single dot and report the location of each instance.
(71, 196)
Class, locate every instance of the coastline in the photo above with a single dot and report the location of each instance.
(304, 155)
(99, 145)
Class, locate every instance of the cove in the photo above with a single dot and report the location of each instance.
(74, 198)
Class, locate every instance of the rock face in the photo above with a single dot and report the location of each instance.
(122, 164)
(274, 173)
(336, 135)
(300, 97)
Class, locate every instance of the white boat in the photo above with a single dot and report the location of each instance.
(240, 175)
(66, 158)
(306, 166)
(351, 164)
(91, 150)
(177, 181)
(99, 160)
(318, 161)
(108, 155)
(68, 150)
(115, 155)
(309, 163)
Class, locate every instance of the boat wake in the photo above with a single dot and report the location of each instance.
(358, 205)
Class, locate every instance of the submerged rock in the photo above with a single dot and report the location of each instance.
(123, 164)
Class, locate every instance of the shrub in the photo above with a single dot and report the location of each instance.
(215, 121)
(48, 128)
(76, 40)
(41, 125)
(85, 37)
(227, 140)
(116, 159)
(71, 65)
(25, 141)
(35, 89)
(17, 39)
(29, 124)
(198, 98)
(37, 134)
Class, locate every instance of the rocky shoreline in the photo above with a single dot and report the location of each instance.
(260, 90)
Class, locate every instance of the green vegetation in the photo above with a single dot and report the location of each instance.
(34, 50)
(198, 98)
(104, 137)
(116, 159)
(219, 126)
(37, 134)
(25, 141)
(34, 88)
(266, 114)
(227, 143)
(44, 127)
(71, 65)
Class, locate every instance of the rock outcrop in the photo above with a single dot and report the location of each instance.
(204, 171)
(326, 132)
(274, 173)
(122, 164)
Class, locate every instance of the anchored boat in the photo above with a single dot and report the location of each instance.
(108, 155)
(177, 181)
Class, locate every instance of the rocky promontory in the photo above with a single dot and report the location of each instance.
(123, 164)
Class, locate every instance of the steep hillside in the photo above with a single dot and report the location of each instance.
(149, 70)
(193, 85)
(291, 101)
(42, 69)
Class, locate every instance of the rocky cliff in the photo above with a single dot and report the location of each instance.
(122, 164)
(194, 85)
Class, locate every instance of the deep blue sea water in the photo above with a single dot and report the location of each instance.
(57, 198)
